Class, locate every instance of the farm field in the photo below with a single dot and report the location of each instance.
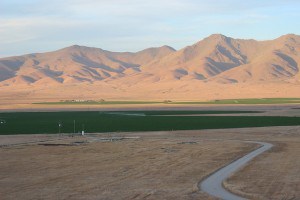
(249, 101)
(152, 154)
(129, 121)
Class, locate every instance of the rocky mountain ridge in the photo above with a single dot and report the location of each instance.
(216, 58)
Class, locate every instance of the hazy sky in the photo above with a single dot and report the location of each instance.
(28, 26)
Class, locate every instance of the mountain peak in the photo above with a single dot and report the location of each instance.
(79, 48)
(72, 47)
(155, 50)
(168, 47)
(76, 46)
(289, 38)
(217, 37)
(289, 35)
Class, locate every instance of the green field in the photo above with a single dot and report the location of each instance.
(249, 101)
(221, 101)
(180, 112)
(47, 122)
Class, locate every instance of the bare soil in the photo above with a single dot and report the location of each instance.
(273, 175)
(151, 165)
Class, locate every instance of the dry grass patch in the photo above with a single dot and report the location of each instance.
(151, 168)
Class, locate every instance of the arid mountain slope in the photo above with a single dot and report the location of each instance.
(75, 64)
(215, 67)
(223, 59)
(278, 60)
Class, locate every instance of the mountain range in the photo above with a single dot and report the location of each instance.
(216, 63)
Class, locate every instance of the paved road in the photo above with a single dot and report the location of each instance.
(213, 184)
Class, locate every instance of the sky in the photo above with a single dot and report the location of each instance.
(30, 26)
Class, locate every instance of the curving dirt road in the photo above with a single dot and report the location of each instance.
(213, 184)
